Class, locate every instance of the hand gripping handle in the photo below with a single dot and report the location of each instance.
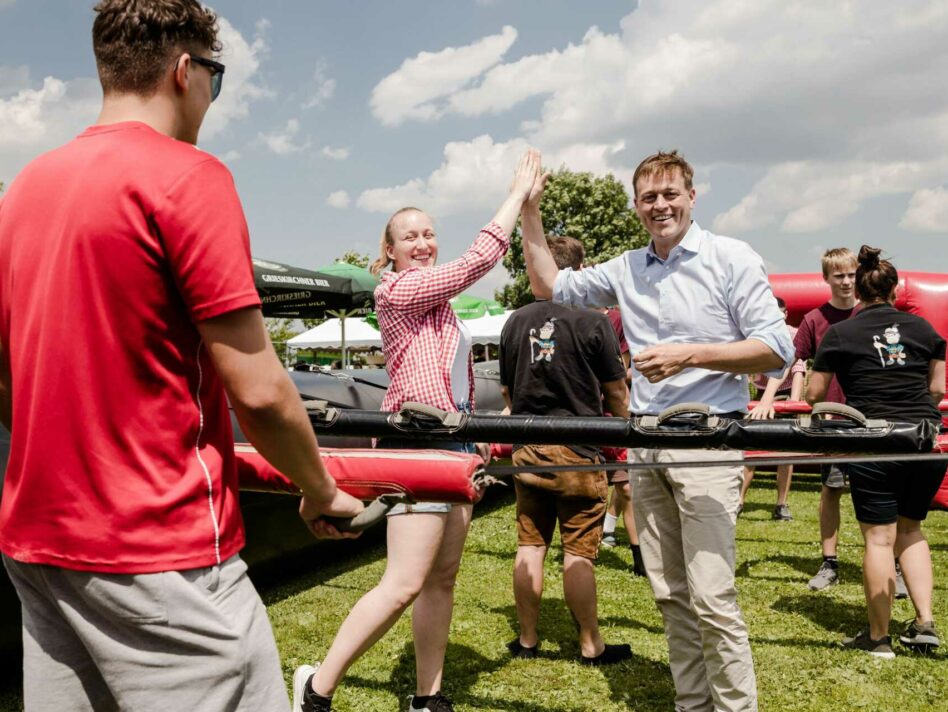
(368, 517)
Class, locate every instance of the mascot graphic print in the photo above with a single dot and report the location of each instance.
(891, 352)
(543, 348)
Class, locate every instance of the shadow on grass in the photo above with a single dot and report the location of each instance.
(318, 563)
(634, 682)
(806, 566)
(832, 615)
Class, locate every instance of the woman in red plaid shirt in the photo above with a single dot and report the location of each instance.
(428, 357)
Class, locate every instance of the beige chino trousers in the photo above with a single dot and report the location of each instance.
(686, 519)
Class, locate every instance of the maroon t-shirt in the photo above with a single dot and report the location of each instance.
(810, 335)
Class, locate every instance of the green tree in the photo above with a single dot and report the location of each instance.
(594, 209)
(355, 258)
(280, 331)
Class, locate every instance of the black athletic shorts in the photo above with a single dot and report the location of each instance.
(884, 491)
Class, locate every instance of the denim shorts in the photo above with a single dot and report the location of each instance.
(407, 444)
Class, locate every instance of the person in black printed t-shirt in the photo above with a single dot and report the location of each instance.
(560, 361)
(890, 365)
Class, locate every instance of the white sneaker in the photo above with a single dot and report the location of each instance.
(300, 678)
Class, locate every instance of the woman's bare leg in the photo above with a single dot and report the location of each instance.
(431, 614)
(414, 541)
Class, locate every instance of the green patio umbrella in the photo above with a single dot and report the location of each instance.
(363, 295)
(467, 306)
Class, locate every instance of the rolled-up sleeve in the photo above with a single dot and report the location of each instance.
(754, 307)
(588, 287)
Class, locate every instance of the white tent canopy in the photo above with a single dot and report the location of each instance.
(328, 335)
(486, 330)
(359, 335)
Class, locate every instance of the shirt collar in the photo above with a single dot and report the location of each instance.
(691, 242)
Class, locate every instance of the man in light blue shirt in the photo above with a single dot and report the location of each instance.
(698, 315)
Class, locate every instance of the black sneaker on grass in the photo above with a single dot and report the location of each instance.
(782, 513)
(435, 703)
(881, 648)
(522, 651)
(304, 699)
(610, 655)
(921, 637)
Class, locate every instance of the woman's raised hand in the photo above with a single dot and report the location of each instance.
(526, 174)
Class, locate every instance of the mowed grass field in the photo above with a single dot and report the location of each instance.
(794, 632)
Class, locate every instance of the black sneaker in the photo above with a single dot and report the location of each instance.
(610, 655)
(782, 513)
(436, 703)
(881, 648)
(302, 702)
(920, 636)
(522, 651)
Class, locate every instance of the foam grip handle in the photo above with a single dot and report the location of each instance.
(368, 517)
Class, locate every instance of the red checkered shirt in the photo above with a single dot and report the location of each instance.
(420, 332)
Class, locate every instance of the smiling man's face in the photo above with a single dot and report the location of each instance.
(664, 205)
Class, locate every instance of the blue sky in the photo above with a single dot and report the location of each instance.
(810, 125)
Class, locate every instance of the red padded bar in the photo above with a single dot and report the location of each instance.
(422, 475)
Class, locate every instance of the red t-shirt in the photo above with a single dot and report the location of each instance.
(112, 248)
(809, 336)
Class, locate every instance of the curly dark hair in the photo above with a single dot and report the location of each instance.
(875, 277)
(135, 41)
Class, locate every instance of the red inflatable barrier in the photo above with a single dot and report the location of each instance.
(922, 293)
(423, 476)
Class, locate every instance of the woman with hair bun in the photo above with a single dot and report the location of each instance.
(891, 365)
(428, 357)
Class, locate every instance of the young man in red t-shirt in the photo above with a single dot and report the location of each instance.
(127, 310)
(839, 272)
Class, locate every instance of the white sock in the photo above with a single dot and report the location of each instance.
(610, 525)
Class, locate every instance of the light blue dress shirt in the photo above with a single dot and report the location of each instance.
(710, 290)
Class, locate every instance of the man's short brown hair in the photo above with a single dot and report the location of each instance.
(837, 258)
(135, 41)
(567, 251)
(661, 163)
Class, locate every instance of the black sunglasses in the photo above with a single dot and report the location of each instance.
(217, 74)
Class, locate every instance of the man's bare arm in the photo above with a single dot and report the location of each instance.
(541, 267)
(817, 386)
(615, 397)
(659, 362)
(270, 412)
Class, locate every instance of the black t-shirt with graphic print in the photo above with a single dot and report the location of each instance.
(553, 358)
(881, 358)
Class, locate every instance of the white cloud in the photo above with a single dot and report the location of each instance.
(323, 87)
(809, 196)
(231, 156)
(475, 176)
(282, 142)
(338, 199)
(37, 119)
(242, 86)
(799, 90)
(927, 211)
(412, 91)
(335, 154)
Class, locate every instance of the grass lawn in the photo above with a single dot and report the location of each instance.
(794, 632)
